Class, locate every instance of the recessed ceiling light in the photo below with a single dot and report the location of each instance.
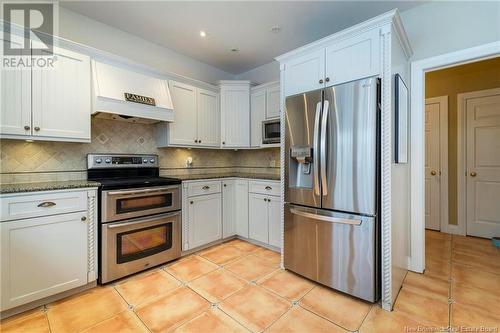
(275, 29)
(203, 34)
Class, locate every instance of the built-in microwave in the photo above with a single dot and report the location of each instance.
(271, 131)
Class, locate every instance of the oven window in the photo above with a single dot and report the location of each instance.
(272, 130)
(144, 242)
(134, 204)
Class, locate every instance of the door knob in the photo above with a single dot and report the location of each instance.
(320, 81)
(473, 174)
(433, 172)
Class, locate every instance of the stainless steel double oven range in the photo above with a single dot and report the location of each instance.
(139, 214)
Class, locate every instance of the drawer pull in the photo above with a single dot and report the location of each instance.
(47, 204)
(269, 188)
(206, 187)
(84, 218)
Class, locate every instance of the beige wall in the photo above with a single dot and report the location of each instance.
(22, 161)
(452, 81)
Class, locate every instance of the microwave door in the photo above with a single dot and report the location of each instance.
(302, 126)
(349, 147)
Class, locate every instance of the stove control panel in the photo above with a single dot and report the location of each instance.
(104, 161)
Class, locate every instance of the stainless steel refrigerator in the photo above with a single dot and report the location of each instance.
(331, 187)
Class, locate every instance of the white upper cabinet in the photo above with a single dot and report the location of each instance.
(235, 114)
(61, 97)
(333, 60)
(48, 104)
(353, 58)
(305, 73)
(273, 102)
(208, 118)
(197, 118)
(258, 115)
(183, 129)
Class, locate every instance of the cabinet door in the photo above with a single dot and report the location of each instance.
(182, 131)
(42, 257)
(258, 217)
(304, 73)
(273, 102)
(205, 219)
(61, 98)
(228, 208)
(15, 102)
(241, 210)
(235, 113)
(274, 221)
(208, 119)
(354, 58)
(258, 115)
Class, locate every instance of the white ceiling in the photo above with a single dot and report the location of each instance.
(240, 24)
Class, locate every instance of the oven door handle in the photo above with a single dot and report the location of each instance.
(155, 218)
(150, 190)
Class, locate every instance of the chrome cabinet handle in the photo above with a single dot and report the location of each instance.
(324, 123)
(27, 128)
(269, 188)
(47, 204)
(317, 118)
(206, 187)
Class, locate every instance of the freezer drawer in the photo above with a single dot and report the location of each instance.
(335, 249)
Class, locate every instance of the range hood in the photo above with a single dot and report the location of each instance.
(128, 95)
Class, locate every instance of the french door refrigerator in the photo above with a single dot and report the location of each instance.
(331, 187)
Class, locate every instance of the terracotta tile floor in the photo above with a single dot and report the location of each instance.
(238, 287)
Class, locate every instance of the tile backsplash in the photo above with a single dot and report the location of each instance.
(22, 161)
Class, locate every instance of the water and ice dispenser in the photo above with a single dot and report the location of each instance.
(300, 166)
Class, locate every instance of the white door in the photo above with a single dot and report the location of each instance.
(241, 210)
(258, 115)
(483, 164)
(273, 102)
(235, 113)
(432, 164)
(305, 73)
(183, 131)
(274, 221)
(258, 217)
(208, 119)
(354, 58)
(228, 208)
(42, 257)
(61, 98)
(204, 219)
(15, 102)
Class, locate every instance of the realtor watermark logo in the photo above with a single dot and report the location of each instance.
(28, 34)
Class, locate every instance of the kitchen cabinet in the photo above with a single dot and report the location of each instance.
(44, 253)
(235, 114)
(258, 115)
(264, 105)
(48, 104)
(204, 218)
(258, 220)
(197, 118)
(273, 102)
(241, 207)
(264, 212)
(274, 219)
(331, 61)
(228, 208)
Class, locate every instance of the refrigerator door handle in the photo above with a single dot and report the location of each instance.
(317, 119)
(324, 218)
(324, 123)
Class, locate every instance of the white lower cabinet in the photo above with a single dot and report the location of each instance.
(274, 212)
(258, 217)
(228, 208)
(204, 218)
(264, 212)
(44, 256)
(241, 207)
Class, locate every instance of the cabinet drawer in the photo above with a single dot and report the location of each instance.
(264, 187)
(43, 204)
(201, 188)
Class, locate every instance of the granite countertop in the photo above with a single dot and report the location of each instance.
(46, 186)
(266, 176)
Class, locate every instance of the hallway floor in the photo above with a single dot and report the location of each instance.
(238, 287)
